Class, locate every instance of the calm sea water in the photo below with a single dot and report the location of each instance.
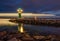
(9, 26)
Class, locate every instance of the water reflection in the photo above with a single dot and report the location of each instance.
(20, 27)
(9, 26)
(6, 22)
(6, 25)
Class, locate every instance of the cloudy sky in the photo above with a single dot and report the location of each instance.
(30, 5)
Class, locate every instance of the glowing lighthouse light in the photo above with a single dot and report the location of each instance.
(19, 10)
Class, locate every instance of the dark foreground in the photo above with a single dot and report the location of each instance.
(26, 36)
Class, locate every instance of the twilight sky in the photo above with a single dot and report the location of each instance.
(29, 5)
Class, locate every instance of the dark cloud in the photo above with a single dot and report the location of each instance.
(29, 5)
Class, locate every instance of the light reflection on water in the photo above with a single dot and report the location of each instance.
(6, 22)
(6, 25)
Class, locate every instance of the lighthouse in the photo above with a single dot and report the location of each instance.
(19, 10)
(20, 28)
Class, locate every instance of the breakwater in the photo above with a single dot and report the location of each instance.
(38, 21)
